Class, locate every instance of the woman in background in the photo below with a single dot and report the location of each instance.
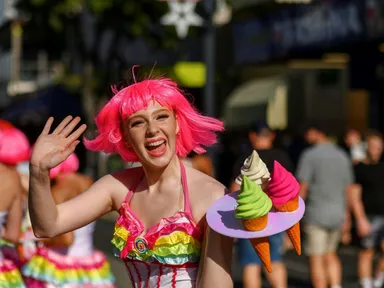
(69, 259)
(14, 148)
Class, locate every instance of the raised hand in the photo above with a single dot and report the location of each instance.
(53, 148)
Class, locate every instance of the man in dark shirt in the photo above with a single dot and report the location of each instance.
(367, 203)
(261, 138)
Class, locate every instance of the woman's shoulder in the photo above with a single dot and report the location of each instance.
(125, 177)
(200, 180)
(204, 190)
(121, 180)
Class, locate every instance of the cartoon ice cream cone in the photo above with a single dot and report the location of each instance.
(256, 170)
(253, 207)
(283, 189)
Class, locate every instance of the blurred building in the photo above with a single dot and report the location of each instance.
(24, 68)
(7, 13)
(296, 63)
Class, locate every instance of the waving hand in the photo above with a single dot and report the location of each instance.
(53, 148)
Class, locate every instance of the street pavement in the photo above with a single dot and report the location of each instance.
(298, 269)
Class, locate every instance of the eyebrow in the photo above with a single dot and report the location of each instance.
(162, 110)
(155, 112)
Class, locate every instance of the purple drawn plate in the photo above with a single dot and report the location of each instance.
(221, 218)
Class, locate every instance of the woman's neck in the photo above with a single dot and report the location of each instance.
(156, 177)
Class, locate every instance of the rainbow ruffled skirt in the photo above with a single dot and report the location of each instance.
(10, 276)
(60, 270)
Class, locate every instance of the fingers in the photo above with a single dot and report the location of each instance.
(70, 149)
(68, 129)
(47, 126)
(77, 133)
(62, 125)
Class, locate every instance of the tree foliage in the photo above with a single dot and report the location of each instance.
(78, 28)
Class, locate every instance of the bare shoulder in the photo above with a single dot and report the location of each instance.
(127, 176)
(203, 190)
(119, 183)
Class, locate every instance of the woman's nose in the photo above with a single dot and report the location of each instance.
(152, 129)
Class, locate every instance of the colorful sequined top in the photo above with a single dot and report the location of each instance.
(168, 254)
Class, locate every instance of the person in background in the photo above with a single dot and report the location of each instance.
(261, 138)
(68, 260)
(356, 146)
(14, 148)
(200, 162)
(324, 172)
(367, 202)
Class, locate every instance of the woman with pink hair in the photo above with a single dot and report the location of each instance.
(14, 148)
(161, 233)
(68, 260)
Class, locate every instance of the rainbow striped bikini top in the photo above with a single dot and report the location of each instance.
(167, 254)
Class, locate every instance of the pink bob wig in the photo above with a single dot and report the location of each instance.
(69, 165)
(196, 131)
(14, 145)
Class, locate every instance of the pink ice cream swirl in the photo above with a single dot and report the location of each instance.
(283, 186)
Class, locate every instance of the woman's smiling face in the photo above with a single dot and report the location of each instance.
(151, 133)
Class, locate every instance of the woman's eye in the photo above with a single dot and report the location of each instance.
(136, 123)
(164, 116)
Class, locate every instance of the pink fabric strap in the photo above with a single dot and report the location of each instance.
(184, 184)
(131, 190)
(187, 204)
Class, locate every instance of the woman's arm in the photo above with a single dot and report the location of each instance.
(52, 148)
(49, 220)
(61, 192)
(216, 261)
(216, 255)
(15, 213)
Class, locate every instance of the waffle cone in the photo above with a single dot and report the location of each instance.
(255, 224)
(261, 246)
(294, 231)
(294, 236)
(290, 206)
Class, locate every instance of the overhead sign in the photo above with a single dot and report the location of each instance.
(301, 27)
(322, 24)
(253, 42)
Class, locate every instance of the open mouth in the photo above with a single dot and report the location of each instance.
(156, 148)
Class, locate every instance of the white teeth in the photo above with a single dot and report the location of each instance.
(157, 143)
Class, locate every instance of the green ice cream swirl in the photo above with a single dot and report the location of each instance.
(252, 201)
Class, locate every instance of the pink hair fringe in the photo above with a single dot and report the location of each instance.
(196, 131)
(14, 145)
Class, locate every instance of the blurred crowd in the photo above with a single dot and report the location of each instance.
(341, 183)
